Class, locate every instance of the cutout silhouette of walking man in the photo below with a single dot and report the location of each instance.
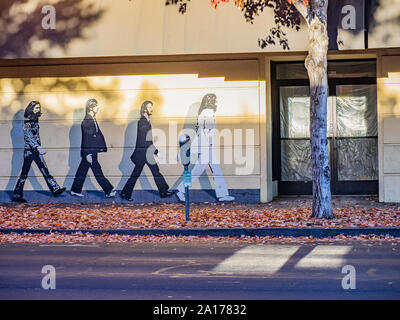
(33, 151)
(203, 145)
(93, 142)
(144, 153)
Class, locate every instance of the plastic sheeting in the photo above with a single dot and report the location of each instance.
(295, 112)
(296, 160)
(356, 119)
(356, 114)
(357, 159)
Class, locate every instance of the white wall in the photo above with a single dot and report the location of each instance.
(144, 27)
(176, 100)
(389, 129)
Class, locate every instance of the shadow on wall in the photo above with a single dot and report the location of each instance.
(56, 111)
(388, 99)
(75, 138)
(151, 92)
(17, 138)
(389, 102)
(126, 166)
(23, 35)
(383, 17)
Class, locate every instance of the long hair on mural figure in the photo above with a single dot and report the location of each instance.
(29, 111)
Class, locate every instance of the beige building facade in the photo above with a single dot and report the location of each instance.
(134, 51)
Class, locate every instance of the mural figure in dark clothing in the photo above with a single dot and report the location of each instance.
(144, 153)
(93, 142)
(33, 151)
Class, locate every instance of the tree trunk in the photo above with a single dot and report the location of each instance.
(316, 15)
(316, 64)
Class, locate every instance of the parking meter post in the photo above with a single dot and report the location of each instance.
(184, 141)
(187, 209)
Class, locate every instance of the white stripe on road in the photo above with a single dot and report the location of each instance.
(268, 259)
(327, 257)
(257, 259)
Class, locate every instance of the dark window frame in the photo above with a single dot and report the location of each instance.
(305, 188)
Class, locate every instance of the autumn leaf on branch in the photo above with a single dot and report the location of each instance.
(304, 1)
(241, 4)
(238, 3)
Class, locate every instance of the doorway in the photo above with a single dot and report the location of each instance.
(352, 128)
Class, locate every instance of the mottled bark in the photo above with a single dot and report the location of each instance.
(322, 203)
(316, 64)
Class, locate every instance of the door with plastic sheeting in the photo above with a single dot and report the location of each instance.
(352, 135)
(356, 140)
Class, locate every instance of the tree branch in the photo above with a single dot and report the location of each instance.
(303, 9)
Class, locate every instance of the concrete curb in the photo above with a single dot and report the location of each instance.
(225, 232)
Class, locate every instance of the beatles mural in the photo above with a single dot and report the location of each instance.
(144, 154)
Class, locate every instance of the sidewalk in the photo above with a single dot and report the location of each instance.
(288, 217)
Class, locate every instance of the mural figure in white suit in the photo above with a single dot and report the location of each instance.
(203, 145)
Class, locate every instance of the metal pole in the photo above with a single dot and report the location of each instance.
(187, 203)
(187, 209)
(185, 160)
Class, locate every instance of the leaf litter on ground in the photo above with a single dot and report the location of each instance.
(287, 213)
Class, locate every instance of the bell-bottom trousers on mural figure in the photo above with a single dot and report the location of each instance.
(29, 157)
(140, 160)
(208, 158)
(82, 171)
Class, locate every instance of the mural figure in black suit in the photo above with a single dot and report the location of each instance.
(33, 151)
(144, 153)
(93, 142)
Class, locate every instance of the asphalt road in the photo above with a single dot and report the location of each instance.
(201, 271)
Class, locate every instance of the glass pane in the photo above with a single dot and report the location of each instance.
(336, 69)
(291, 71)
(356, 112)
(357, 159)
(351, 69)
(295, 113)
(296, 160)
